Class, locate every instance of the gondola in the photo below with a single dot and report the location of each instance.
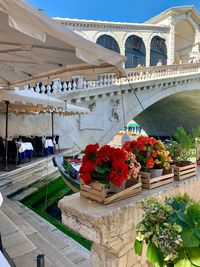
(68, 167)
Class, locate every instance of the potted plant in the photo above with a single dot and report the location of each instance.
(182, 150)
(151, 154)
(171, 231)
(109, 166)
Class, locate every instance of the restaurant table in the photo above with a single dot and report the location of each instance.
(25, 150)
(48, 147)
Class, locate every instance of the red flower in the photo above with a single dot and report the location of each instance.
(153, 154)
(107, 163)
(92, 148)
(150, 163)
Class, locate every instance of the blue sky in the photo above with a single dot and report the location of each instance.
(109, 10)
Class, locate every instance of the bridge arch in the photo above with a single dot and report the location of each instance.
(184, 40)
(158, 50)
(148, 98)
(108, 41)
(135, 51)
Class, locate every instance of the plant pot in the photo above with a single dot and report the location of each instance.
(117, 189)
(156, 172)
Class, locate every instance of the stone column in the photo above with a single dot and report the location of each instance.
(171, 47)
(111, 229)
(148, 50)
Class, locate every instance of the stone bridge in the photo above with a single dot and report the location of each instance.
(158, 98)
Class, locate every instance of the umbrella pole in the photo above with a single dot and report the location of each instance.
(6, 136)
(52, 129)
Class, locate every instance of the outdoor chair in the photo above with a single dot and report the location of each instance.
(38, 146)
(2, 150)
(12, 152)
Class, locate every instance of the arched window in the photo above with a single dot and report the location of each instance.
(158, 51)
(109, 42)
(135, 52)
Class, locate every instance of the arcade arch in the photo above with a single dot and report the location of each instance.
(109, 42)
(184, 41)
(158, 51)
(135, 52)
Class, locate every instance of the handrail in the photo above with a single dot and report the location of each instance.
(133, 75)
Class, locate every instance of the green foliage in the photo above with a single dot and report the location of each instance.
(171, 231)
(183, 148)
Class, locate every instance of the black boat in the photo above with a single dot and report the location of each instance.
(69, 167)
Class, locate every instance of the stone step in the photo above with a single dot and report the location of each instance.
(20, 185)
(15, 243)
(24, 175)
(28, 167)
(4, 183)
(45, 237)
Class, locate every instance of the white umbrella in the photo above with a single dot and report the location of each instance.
(29, 102)
(34, 48)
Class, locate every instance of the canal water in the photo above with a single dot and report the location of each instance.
(45, 203)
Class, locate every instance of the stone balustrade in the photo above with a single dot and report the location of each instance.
(110, 79)
(111, 228)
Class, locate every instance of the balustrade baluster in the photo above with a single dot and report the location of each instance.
(70, 86)
(43, 89)
(101, 81)
(64, 86)
(74, 85)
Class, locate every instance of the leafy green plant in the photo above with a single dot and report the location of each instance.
(183, 148)
(171, 231)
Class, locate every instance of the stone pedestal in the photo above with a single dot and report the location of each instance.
(111, 228)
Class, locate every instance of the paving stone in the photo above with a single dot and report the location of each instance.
(17, 244)
(51, 252)
(7, 227)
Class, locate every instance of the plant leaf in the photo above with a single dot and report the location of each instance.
(193, 212)
(189, 238)
(100, 169)
(194, 256)
(197, 232)
(183, 263)
(154, 255)
(138, 247)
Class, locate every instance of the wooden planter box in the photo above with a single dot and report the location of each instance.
(97, 191)
(150, 183)
(184, 172)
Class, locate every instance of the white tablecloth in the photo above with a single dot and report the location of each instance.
(48, 143)
(3, 261)
(24, 146)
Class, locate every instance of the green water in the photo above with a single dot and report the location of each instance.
(45, 203)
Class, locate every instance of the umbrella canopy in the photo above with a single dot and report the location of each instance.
(34, 47)
(29, 102)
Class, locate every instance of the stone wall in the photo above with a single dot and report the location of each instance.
(112, 227)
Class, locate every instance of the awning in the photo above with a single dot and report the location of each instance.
(34, 48)
(29, 102)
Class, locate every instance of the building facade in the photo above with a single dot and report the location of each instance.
(170, 37)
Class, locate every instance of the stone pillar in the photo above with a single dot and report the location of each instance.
(79, 79)
(171, 47)
(111, 228)
(148, 50)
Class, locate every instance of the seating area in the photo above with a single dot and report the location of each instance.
(24, 148)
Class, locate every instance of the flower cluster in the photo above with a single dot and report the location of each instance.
(151, 153)
(107, 164)
(133, 164)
